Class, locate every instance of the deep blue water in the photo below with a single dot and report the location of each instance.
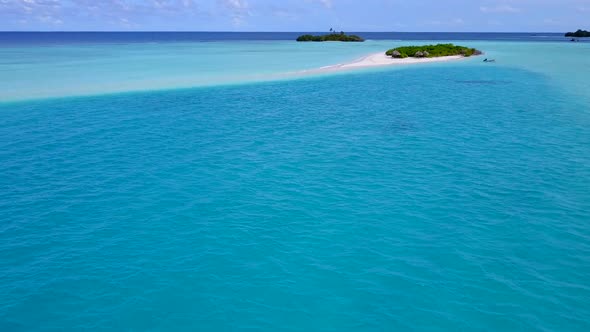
(441, 198)
(35, 38)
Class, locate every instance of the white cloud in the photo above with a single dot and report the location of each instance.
(452, 22)
(326, 3)
(499, 9)
(50, 19)
(285, 14)
(235, 4)
(123, 13)
(240, 10)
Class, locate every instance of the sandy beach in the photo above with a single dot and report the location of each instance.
(380, 59)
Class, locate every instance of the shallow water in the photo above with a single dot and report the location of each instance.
(434, 198)
(69, 69)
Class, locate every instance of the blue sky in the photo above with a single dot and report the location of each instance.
(295, 15)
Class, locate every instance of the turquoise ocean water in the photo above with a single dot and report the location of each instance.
(439, 197)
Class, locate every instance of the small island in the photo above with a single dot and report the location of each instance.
(578, 34)
(341, 37)
(431, 51)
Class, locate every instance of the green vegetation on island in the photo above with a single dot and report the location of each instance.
(578, 34)
(431, 51)
(342, 37)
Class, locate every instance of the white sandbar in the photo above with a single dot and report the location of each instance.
(380, 59)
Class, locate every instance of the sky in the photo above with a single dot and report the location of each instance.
(295, 15)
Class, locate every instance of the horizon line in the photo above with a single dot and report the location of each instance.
(234, 31)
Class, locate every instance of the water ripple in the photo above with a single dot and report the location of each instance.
(321, 204)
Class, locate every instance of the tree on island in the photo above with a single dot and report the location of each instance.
(431, 51)
(333, 36)
(579, 34)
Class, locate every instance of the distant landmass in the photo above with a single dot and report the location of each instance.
(579, 33)
(341, 37)
(431, 51)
